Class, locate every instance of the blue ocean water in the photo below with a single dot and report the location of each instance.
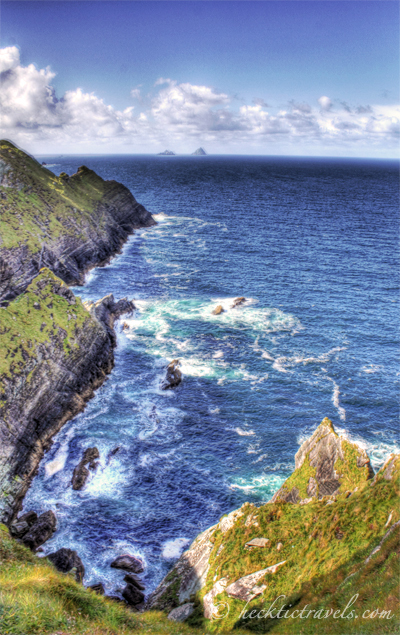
(312, 245)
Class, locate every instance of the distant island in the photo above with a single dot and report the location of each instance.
(167, 153)
(199, 153)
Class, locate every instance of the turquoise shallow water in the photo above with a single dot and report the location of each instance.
(312, 245)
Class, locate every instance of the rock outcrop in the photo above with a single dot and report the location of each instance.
(66, 223)
(128, 563)
(81, 472)
(325, 464)
(173, 376)
(56, 353)
(166, 153)
(237, 559)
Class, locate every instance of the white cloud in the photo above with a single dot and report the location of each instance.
(325, 103)
(181, 116)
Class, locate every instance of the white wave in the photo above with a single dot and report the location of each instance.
(371, 368)
(378, 451)
(218, 354)
(335, 400)
(279, 365)
(269, 482)
(172, 549)
(244, 433)
(213, 412)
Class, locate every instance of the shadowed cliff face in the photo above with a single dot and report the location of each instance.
(55, 352)
(68, 224)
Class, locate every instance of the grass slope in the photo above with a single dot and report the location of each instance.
(323, 543)
(38, 207)
(46, 310)
(36, 599)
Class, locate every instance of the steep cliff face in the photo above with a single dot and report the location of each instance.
(257, 554)
(66, 223)
(54, 353)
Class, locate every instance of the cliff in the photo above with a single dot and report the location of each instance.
(55, 352)
(308, 545)
(66, 223)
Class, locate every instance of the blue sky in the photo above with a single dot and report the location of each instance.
(314, 77)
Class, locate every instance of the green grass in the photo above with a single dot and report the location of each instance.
(34, 319)
(38, 207)
(322, 544)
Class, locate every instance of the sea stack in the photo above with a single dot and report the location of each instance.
(200, 152)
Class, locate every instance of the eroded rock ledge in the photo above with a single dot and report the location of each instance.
(56, 353)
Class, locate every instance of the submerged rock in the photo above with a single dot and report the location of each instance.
(81, 473)
(40, 531)
(128, 563)
(173, 377)
(65, 560)
(218, 310)
(238, 302)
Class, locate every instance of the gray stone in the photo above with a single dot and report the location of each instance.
(218, 310)
(258, 542)
(128, 563)
(246, 588)
(181, 613)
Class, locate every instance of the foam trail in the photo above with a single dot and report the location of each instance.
(335, 400)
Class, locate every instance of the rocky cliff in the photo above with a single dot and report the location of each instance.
(66, 223)
(332, 520)
(55, 352)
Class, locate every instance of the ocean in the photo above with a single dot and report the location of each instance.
(312, 244)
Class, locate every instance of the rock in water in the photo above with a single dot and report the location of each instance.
(81, 472)
(238, 302)
(135, 581)
(173, 376)
(166, 153)
(128, 563)
(132, 595)
(218, 309)
(65, 560)
(40, 531)
(97, 588)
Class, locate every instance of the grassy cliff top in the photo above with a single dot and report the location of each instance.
(46, 310)
(37, 599)
(37, 206)
(322, 543)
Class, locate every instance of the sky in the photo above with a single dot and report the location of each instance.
(311, 78)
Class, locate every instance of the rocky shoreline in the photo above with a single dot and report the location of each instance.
(57, 350)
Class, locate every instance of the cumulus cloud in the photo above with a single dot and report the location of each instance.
(176, 114)
(325, 103)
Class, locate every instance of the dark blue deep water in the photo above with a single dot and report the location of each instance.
(312, 244)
